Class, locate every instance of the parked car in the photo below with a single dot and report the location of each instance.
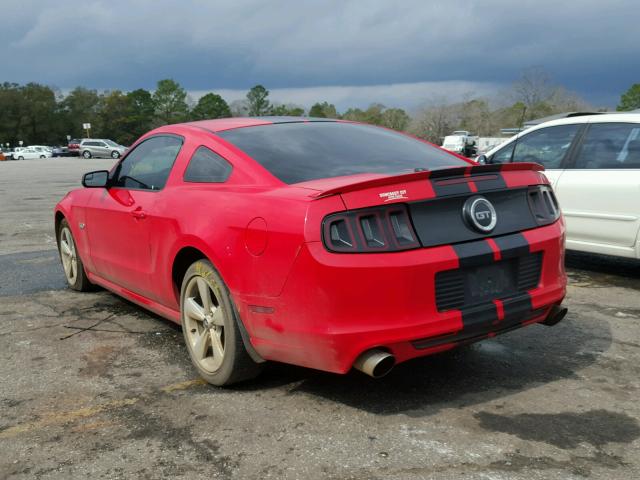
(63, 152)
(98, 147)
(593, 163)
(28, 153)
(74, 145)
(46, 151)
(325, 244)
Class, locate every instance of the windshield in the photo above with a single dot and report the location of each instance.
(111, 143)
(301, 151)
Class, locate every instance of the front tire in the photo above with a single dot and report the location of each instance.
(20, 158)
(115, 155)
(210, 328)
(71, 261)
(86, 154)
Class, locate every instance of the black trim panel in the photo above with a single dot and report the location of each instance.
(440, 221)
(470, 336)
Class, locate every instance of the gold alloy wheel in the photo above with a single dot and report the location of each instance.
(204, 321)
(68, 255)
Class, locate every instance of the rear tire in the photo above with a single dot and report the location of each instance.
(210, 328)
(71, 261)
(86, 154)
(20, 158)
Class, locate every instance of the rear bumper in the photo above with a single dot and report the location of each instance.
(335, 306)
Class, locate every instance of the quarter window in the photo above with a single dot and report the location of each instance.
(547, 146)
(147, 167)
(610, 145)
(503, 155)
(206, 166)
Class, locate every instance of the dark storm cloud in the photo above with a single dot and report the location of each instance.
(589, 46)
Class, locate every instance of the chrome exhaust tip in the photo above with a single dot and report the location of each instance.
(556, 315)
(375, 363)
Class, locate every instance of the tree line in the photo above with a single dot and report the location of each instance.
(39, 114)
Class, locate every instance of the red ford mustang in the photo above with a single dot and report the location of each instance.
(325, 244)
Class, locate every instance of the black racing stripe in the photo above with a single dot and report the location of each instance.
(471, 254)
(448, 172)
(496, 183)
(467, 336)
(517, 309)
(491, 168)
(514, 245)
(450, 189)
(479, 318)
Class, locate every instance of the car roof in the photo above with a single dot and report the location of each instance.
(221, 124)
(598, 118)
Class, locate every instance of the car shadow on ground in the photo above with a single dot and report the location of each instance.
(603, 269)
(484, 372)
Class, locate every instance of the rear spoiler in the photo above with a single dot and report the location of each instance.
(429, 175)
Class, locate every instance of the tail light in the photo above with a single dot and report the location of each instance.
(544, 205)
(378, 229)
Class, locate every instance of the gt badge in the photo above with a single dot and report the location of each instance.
(478, 212)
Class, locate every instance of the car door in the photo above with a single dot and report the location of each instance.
(599, 191)
(548, 146)
(121, 218)
(102, 149)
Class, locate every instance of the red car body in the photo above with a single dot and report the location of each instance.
(299, 302)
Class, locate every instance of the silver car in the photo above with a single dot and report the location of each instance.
(100, 147)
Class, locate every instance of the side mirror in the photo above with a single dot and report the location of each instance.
(482, 159)
(97, 179)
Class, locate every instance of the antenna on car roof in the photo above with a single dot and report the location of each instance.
(520, 125)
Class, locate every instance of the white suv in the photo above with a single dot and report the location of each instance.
(593, 163)
(99, 147)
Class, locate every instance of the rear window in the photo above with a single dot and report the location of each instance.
(297, 152)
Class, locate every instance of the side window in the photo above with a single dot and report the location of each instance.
(503, 155)
(149, 164)
(610, 145)
(547, 146)
(208, 167)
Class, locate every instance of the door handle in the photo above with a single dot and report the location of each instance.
(139, 214)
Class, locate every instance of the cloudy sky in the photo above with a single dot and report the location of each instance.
(349, 52)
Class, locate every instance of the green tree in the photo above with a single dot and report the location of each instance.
(287, 110)
(395, 118)
(115, 118)
(170, 101)
(80, 106)
(630, 100)
(258, 101)
(323, 110)
(39, 114)
(372, 115)
(354, 114)
(11, 107)
(210, 105)
(141, 114)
